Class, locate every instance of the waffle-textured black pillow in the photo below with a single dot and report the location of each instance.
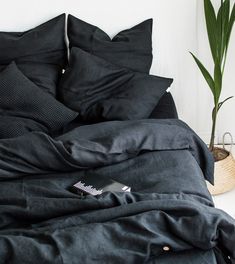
(24, 107)
(99, 90)
(131, 48)
(40, 53)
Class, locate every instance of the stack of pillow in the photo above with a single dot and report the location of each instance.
(105, 79)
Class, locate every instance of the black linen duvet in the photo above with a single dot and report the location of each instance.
(99, 128)
(168, 217)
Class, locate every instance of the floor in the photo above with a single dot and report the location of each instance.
(226, 201)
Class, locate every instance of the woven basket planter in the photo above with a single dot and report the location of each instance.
(224, 174)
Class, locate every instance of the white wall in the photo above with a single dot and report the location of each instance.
(178, 29)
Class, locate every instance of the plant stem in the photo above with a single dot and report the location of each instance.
(214, 119)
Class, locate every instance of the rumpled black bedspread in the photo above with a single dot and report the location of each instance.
(98, 145)
(164, 161)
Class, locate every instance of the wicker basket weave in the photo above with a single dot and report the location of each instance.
(224, 174)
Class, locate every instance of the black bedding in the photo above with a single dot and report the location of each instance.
(165, 108)
(101, 91)
(46, 146)
(130, 48)
(40, 53)
(42, 221)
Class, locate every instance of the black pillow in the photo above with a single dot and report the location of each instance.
(165, 108)
(24, 107)
(40, 53)
(131, 48)
(99, 90)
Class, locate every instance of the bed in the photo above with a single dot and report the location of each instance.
(57, 129)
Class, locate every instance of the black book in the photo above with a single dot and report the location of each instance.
(95, 185)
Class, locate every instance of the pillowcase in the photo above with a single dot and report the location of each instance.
(165, 109)
(99, 90)
(131, 48)
(24, 107)
(40, 53)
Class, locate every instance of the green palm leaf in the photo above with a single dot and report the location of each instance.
(217, 82)
(228, 34)
(230, 24)
(219, 30)
(221, 103)
(205, 73)
(222, 28)
(211, 23)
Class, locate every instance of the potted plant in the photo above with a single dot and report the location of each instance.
(219, 28)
